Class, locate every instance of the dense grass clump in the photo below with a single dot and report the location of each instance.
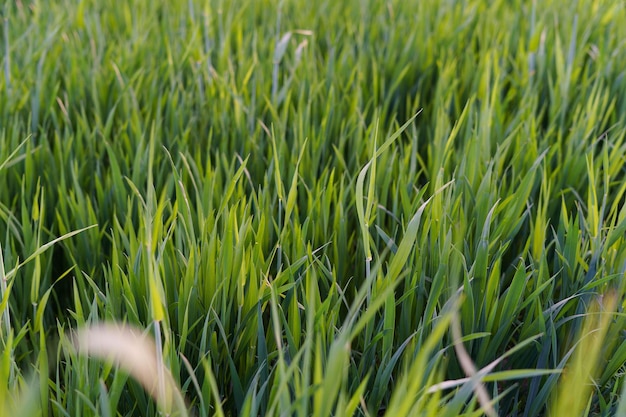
(254, 207)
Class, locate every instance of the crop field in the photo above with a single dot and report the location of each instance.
(313, 208)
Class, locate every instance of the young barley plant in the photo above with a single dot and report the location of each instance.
(355, 208)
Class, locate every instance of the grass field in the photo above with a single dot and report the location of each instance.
(361, 207)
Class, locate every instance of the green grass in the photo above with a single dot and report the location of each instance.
(410, 208)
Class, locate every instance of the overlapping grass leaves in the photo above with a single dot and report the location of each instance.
(271, 212)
